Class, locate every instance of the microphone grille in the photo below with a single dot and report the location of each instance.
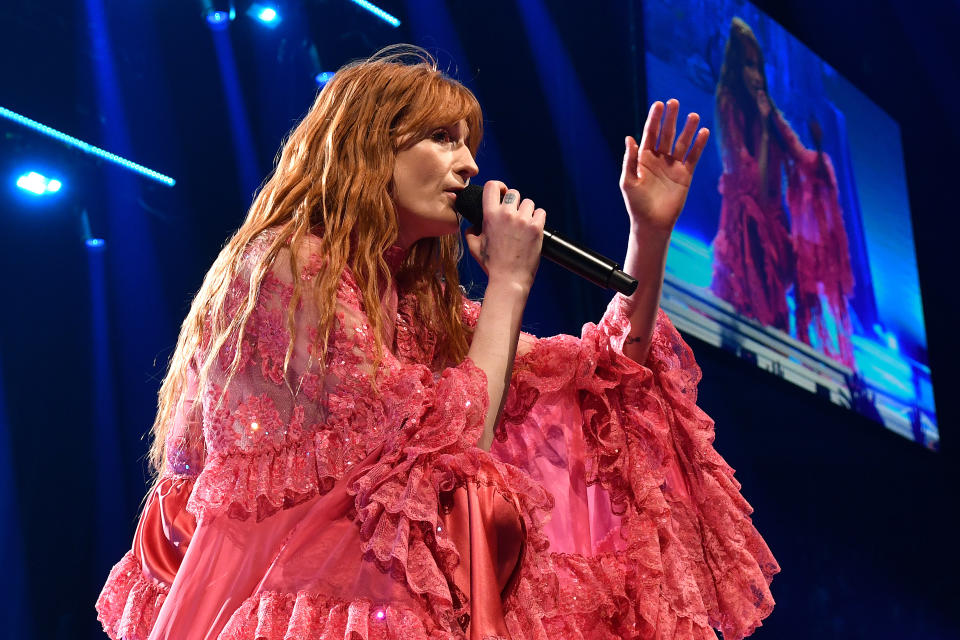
(470, 204)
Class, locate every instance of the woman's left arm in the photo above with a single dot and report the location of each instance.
(655, 181)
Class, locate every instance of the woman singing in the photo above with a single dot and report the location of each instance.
(346, 448)
(758, 252)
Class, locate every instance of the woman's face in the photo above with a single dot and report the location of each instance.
(752, 77)
(426, 179)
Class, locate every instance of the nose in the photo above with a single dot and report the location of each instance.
(465, 166)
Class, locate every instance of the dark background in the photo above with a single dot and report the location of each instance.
(862, 521)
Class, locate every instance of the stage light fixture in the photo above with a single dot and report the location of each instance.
(377, 11)
(85, 147)
(267, 14)
(218, 13)
(323, 78)
(38, 184)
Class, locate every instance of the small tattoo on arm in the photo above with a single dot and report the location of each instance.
(633, 340)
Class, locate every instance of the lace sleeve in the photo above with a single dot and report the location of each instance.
(641, 495)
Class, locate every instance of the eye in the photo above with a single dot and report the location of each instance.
(441, 135)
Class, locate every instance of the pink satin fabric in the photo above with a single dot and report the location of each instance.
(319, 554)
(165, 529)
(485, 526)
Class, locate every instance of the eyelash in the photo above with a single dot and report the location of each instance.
(441, 135)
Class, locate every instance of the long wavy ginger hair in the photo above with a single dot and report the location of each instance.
(333, 178)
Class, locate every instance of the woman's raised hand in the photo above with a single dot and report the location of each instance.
(508, 249)
(657, 173)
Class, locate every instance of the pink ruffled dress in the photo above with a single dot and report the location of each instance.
(318, 508)
(759, 254)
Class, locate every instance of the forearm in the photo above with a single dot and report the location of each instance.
(494, 345)
(646, 261)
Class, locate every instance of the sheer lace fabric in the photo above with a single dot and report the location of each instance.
(318, 508)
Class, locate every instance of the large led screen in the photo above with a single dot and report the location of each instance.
(795, 249)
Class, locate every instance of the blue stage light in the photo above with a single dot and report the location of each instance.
(38, 184)
(216, 18)
(33, 182)
(323, 78)
(377, 11)
(218, 13)
(265, 13)
(86, 147)
(95, 243)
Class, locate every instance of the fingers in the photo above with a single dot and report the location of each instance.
(686, 136)
(493, 191)
(698, 146)
(540, 218)
(630, 154)
(651, 128)
(669, 127)
(659, 131)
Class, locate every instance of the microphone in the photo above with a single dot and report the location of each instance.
(599, 270)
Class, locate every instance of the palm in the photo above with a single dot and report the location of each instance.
(656, 177)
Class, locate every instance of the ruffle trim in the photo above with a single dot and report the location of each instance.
(572, 596)
(259, 483)
(400, 499)
(130, 601)
(278, 616)
(693, 558)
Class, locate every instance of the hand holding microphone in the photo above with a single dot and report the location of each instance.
(508, 248)
(582, 261)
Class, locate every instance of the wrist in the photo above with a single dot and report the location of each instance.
(508, 285)
(650, 235)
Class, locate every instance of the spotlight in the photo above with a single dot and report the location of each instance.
(323, 78)
(218, 13)
(85, 146)
(38, 184)
(377, 11)
(264, 13)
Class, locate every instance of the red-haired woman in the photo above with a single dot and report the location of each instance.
(758, 253)
(346, 448)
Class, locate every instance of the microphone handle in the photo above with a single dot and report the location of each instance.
(587, 264)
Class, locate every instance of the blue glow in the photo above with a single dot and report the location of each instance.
(95, 243)
(219, 19)
(86, 147)
(38, 184)
(323, 78)
(377, 11)
(33, 182)
(690, 259)
(265, 13)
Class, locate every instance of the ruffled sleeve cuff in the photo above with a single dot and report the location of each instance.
(692, 553)
(681, 478)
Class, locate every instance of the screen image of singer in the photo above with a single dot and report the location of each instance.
(795, 249)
